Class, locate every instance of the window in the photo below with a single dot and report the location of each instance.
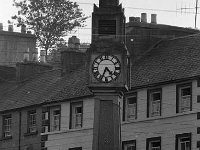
(131, 108)
(76, 115)
(183, 141)
(7, 123)
(55, 118)
(154, 103)
(129, 145)
(184, 98)
(32, 121)
(154, 143)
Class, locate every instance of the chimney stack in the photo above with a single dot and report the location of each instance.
(27, 70)
(74, 43)
(134, 19)
(10, 28)
(71, 60)
(1, 26)
(144, 17)
(154, 18)
(23, 29)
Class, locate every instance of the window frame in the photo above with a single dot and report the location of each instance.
(183, 135)
(151, 140)
(6, 117)
(52, 109)
(125, 111)
(124, 143)
(149, 102)
(178, 100)
(72, 123)
(29, 125)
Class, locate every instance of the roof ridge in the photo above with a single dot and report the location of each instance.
(149, 50)
(182, 37)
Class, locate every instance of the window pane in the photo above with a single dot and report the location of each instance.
(155, 96)
(132, 100)
(185, 91)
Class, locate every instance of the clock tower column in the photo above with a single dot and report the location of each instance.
(109, 72)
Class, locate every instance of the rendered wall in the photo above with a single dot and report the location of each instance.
(70, 138)
(13, 45)
(168, 124)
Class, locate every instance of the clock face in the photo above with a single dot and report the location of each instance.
(106, 68)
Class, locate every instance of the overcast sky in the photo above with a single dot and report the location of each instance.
(168, 12)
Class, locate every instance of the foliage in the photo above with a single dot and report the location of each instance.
(49, 19)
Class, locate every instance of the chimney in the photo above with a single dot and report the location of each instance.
(154, 18)
(134, 19)
(26, 55)
(1, 26)
(71, 60)
(144, 17)
(10, 28)
(23, 29)
(26, 70)
(43, 56)
(74, 43)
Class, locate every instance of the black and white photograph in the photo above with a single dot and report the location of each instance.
(100, 75)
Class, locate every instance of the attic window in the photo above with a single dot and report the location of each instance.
(107, 27)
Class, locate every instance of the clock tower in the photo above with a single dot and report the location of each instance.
(109, 72)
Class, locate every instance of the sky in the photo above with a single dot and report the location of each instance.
(168, 12)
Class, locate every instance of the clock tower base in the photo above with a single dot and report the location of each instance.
(107, 120)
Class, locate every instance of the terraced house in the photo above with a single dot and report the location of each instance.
(142, 95)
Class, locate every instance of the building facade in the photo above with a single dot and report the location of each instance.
(13, 45)
(107, 98)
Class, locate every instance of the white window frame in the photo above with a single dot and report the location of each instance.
(55, 118)
(32, 127)
(151, 147)
(183, 140)
(7, 125)
(131, 108)
(129, 145)
(77, 115)
(154, 105)
(151, 141)
(184, 100)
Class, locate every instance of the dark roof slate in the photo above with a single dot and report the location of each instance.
(168, 61)
(46, 87)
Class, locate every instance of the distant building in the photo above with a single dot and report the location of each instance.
(13, 45)
(109, 97)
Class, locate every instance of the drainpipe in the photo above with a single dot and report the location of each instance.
(20, 126)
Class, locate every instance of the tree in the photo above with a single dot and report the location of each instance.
(49, 19)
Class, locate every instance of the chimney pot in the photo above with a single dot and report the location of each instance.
(10, 28)
(23, 29)
(154, 18)
(1, 26)
(144, 17)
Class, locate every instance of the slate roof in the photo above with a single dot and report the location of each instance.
(170, 60)
(46, 87)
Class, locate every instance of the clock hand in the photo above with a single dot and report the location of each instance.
(106, 69)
